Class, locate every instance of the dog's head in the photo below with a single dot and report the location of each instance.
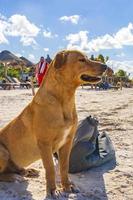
(75, 67)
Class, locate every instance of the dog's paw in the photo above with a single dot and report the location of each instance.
(71, 188)
(54, 194)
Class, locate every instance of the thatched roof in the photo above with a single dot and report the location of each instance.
(11, 59)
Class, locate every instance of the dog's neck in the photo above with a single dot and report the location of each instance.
(55, 87)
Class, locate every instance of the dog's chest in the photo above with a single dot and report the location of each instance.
(63, 139)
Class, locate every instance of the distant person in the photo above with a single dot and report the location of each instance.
(26, 79)
(48, 59)
(41, 69)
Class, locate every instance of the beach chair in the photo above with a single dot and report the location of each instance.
(9, 83)
(6, 85)
(22, 84)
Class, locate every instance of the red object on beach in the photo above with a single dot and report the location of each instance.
(41, 71)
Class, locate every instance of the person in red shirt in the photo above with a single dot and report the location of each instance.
(41, 70)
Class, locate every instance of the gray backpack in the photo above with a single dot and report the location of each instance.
(90, 149)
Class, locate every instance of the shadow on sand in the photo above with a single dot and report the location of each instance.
(92, 183)
(15, 191)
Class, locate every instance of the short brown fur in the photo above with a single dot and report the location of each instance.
(49, 122)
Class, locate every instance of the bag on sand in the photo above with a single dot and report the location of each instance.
(90, 149)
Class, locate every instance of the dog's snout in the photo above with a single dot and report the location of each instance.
(104, 67)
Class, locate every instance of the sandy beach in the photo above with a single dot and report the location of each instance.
(114, 110)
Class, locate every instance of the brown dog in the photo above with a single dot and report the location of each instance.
(48, 123)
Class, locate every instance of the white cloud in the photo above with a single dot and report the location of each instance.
(125, 65)
(31, 57)
(18, 26)
(3, 25)
(3, 39)
(18, 54)
(74, 19)
(78, 40)
(46, 49)
(104, 42)
(2, 17)
(124, 37)
(27, 41)
(48, 34)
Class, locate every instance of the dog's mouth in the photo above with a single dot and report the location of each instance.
(90, 79)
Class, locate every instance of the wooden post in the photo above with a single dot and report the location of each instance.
(113, 80)
(32, 87)
(121, 83)
(5, 70)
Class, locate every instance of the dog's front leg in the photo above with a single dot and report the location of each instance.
(46, 155)
(64, 154)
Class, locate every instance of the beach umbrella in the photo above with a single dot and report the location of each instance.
(14, 63)
(9, 59)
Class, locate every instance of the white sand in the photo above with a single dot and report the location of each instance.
(114, 110)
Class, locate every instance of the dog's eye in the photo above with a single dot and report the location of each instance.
(82, 60)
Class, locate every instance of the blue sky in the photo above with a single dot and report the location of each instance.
(34, 28)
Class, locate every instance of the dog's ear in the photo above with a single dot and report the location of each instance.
(60, 59)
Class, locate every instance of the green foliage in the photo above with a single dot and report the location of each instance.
(101, 58)
(27, 70)
(106, 58)
(92, 57)
(13, 72)
(121, 73)
(1, 71)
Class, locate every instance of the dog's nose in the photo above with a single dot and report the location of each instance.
(104, 67)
